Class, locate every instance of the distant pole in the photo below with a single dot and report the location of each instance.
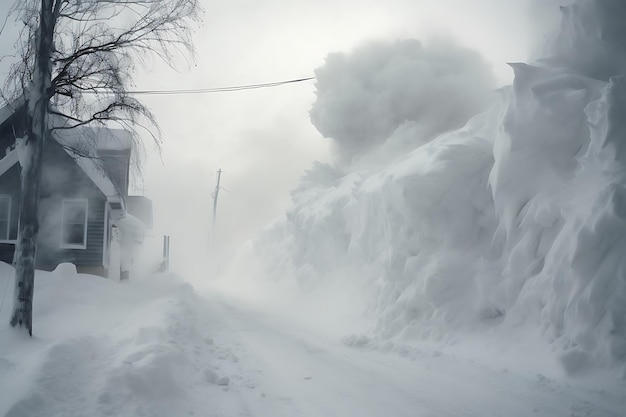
(166, 253)
(212, 241)
(215, 195)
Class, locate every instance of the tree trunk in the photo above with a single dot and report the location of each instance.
(31, 158)
(28, 229)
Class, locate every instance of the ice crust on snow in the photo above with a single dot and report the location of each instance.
(515, 221)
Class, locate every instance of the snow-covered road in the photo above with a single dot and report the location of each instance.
(290, 372)
(156, 348)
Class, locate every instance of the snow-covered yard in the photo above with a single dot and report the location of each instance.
(155, 347)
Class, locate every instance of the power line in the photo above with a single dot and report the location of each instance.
(220, 89)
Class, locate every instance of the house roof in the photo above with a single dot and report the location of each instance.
(84, 145)
(98, 152)
(96, 174)
(87, 146)
(90, 140)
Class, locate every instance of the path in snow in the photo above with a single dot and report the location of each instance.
(290, 373)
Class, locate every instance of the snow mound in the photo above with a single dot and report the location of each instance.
(515, 221)
(107, 349)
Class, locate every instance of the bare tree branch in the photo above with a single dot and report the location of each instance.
(76, 62)
(97, 44)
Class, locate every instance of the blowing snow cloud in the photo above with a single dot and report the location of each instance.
(364, 96)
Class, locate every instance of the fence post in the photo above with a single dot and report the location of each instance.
(166, 252)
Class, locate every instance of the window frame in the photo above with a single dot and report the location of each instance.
(9, 198)
(65, 245)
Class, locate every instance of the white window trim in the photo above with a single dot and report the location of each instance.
(5, 239)
(69, 245)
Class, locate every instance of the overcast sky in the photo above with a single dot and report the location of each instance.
(263, 139)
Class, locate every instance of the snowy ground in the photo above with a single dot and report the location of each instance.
(155, 347)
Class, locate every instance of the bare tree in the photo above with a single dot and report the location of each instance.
(76, 65)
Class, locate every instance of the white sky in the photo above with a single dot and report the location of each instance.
(263, 139)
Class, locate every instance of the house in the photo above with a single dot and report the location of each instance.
(86, 215)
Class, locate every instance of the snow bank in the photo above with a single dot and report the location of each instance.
(101, 348)
(515, 222)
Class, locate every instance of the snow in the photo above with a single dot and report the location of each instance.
(459, 258)
(509, 228)
(83, 144)
(131, 224)
(101, 348)
(153, 346)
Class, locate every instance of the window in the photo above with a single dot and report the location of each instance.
(5, 216)
(74, 227)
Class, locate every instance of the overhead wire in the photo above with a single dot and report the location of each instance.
(220, 89)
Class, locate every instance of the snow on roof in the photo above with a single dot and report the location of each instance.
(140, 207)
(86, 163)
(131, 224)
(86, 144)
(95, 174)
(89, 140)
(83, 144)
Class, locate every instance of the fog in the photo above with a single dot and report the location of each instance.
(362, 98)
(264, 139)
(445, 203)
(511, 226)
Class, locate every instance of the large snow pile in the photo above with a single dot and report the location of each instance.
(515, 221)
(104, 349)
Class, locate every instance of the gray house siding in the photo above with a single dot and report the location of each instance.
(63, 179)
(66, 185)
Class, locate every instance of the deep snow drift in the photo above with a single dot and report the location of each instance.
(101, 348)
(154, 347)
(513, 225)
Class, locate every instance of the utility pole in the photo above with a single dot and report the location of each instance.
(215, 194)
(212, 240)
(166, 253)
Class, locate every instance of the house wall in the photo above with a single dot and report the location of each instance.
(10, 185)
(61, 179)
